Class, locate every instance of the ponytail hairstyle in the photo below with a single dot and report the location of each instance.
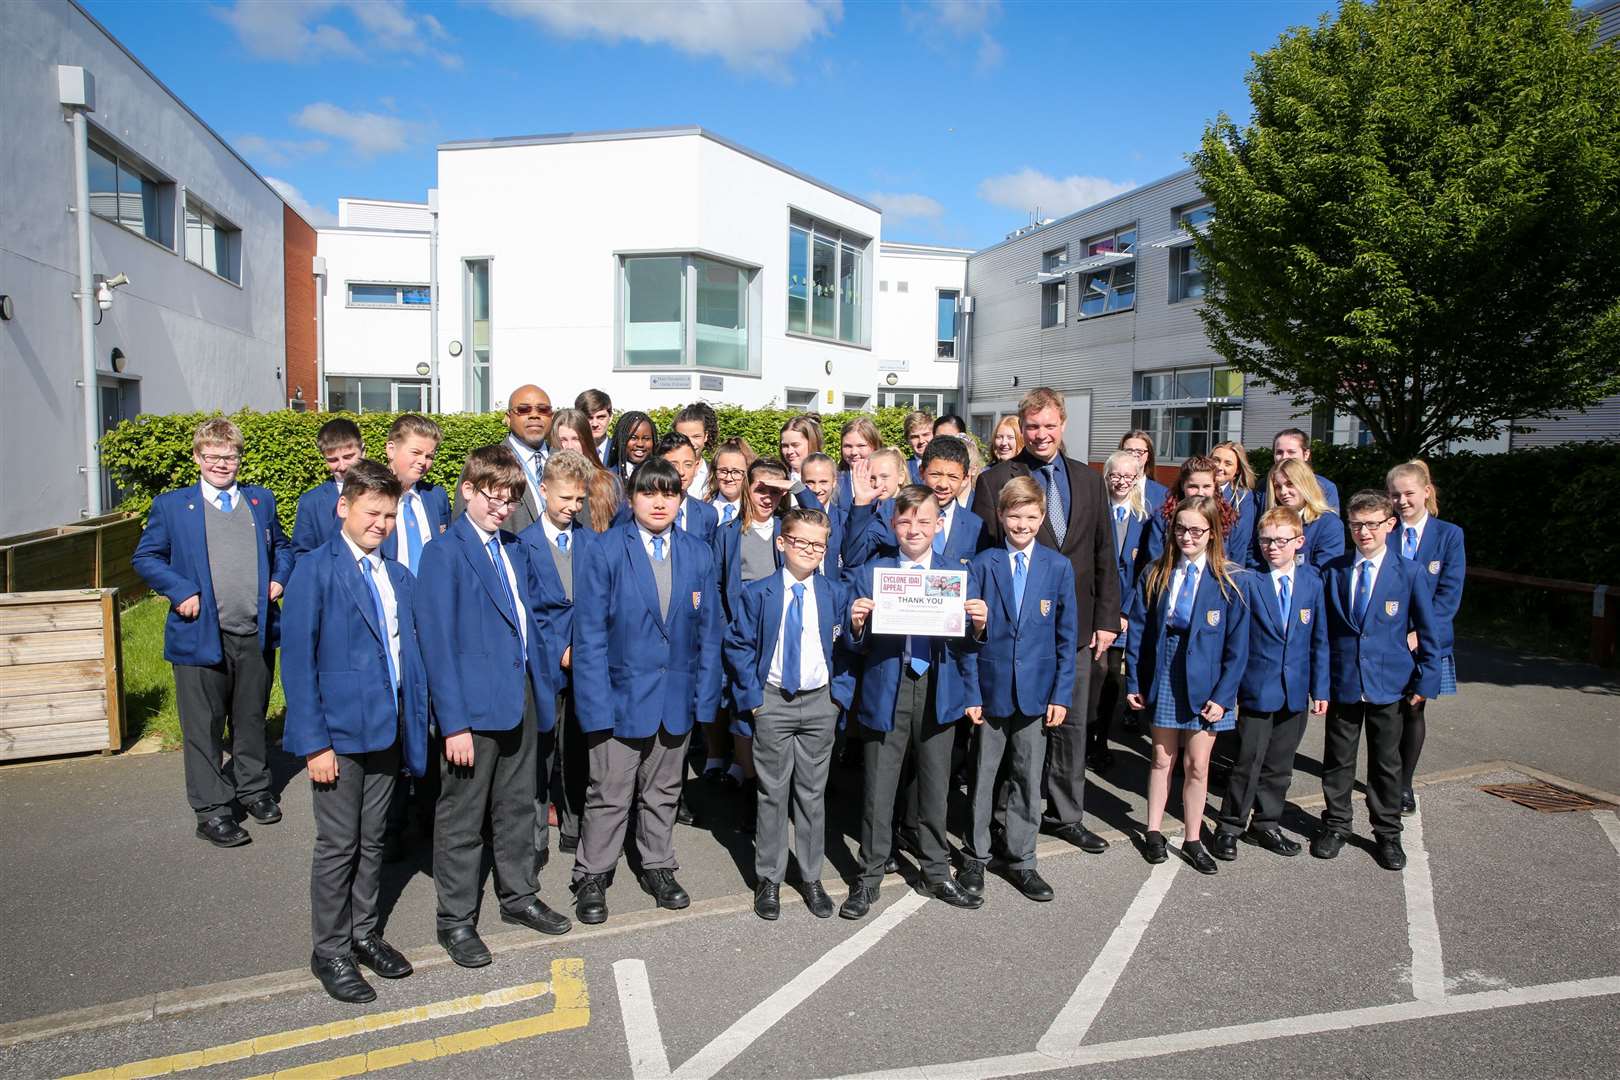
(1419, 469)
(1164, 567)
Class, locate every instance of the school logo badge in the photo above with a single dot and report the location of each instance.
(697, 599)
(1305, 616)
(1213, 618)
(443, 529)
(838, 628)
(1434, 567)
(1391, 607)
(1046, 608)
(1133, 553)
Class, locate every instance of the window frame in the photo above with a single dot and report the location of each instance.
(948, 348)
(808, 406)
(472, 401)
(395, 383)
(191, 206)
(842, 240)
(1183, 257)
(1085, 280)
(399, 287)
(1221, 414)
(753, 310)
(165, 193)
(1054, 303)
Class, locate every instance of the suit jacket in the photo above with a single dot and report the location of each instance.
(471, 640)
(1371, 662)
(1288, 660)
(701, 519)
(751, 639)
(1088, 544)
(1027, 658)
(317, 520)
(883, 657)
(334, 664)
(172, 557)
(525, 513)
(727, 546)
(553, 610)
(1217, 642)
(869, 532)
(436, 505)
(1443, 563)
(636, 671)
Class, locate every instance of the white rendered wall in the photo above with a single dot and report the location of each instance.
(905, 337)
(365, 340)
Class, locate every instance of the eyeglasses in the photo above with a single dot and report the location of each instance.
(1367, 528)
(1136, 451)
(1191, 532)
(730, 474)
(1277, 541)
(807, 547)
(496, 504)
(1130, 477)
(221, 459)
(525, 410)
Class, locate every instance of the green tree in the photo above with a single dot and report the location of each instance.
(1421, 224)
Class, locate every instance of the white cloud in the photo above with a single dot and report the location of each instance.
(1028, 189)
(316, 215)
(294, 30)
(947, 24)
(264, 151)
(754, 37)
(367, 134)
(899, 206)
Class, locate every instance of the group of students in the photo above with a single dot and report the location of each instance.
(433, 653)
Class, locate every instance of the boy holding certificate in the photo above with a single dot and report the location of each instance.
(913, 695)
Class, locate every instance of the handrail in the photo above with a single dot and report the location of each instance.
(1605, 616)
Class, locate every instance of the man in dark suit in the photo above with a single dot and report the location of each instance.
(1077, 527)
(528, 420)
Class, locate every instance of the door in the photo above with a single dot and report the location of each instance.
(115, 409)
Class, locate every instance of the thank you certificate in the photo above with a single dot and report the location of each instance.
(927, 603)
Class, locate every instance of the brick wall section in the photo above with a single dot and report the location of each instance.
(298, 248)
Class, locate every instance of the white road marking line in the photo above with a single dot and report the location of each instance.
(1422, 926)
(725, 1047)
(1160, 1045)
(642, 1035)
(1610, 821)
(1068, 1031)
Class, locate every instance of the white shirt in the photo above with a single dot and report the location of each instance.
(1181, 575)
(668, 536)
(764, 529)
(534, 468)
(385, 589)
(699, 487)
(552, 532)
(511, 582)
(812, 664)
(413, 499)
(212, 493)
(602, 448)
(1377, 563)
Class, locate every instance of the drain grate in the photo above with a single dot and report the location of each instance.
(1544, 797)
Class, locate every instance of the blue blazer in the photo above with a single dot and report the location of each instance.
(1027, 658)
(914, 469)
(882, 655)
(1155, 493)
(172, 557)
(1217, 642)
(837, 527)
(333, 667)
(1443, 563)
(470, 638)
(1372, 662)
(1324, 542)
(1240, 544)
(553, 610)
(436, 504)
(869, 533)
(751, 639)
(636, 671)
(1143, 543)
(1288, 662)
(317, 520)
(727, 545)
(701, 519)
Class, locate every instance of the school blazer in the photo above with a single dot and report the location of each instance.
(436, 505)
(1371, 662)
(727, 547)
(1240, 545)
(750, 646)
(172, 557)
(317, 520)
(334, 667)
(1324, 542)
(553, 610)
(882, 655)
(1443, 565)
(701, 519)
(1027, 658)
(470, 638)
(634, 670)
(1286, 670)
(870, 533)
(837, 527)
(1217, 641)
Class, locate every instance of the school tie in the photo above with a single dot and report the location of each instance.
(225, 501)
(1020, 579)
(791, 635)
(531, 469)
(382, 620)
(494, 546)
(1119, 530)
(939, 536)
(680, 516)
(413, 535)
(1182, 615)
(562, 541)
(1054, 504)
(727, 514)
(658, 548)
(1284, 592)
(919, 656)
(1409, 543)
(1363, 591)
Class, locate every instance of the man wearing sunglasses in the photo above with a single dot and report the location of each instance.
(528, 422)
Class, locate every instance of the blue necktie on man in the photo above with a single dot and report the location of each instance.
(1055, 517)
(225, 501)
(792, 632)
(494, 546)
(382, 621)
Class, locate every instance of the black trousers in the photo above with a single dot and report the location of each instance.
(346, 872)
(1064, 778)
(1110, 694)
(236, 690)
(498, 787)
(1343, 742)
(571, 768)
(1265, 766)
(916, 732)
(1414, 728)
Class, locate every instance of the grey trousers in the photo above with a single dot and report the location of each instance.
(499, 787)
(793, 741)
(350, 816)
(1064, 778)
(1021, 742)
(237, 689)
(646, 771)
(884, 754)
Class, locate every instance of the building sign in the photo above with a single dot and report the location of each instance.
(717, 383)
(894, 365)
(669, 382)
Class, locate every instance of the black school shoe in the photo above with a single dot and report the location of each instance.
(590, 899)
(970, 878)
(1199, 857)
(382, 957)
(1224, 846)
(1154, 848)
(265, 809)
(223, 831)
(1408, 803)
(662, 887)
(768, 900)
(342, 980)
(817, 900)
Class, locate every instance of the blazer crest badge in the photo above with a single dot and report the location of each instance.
(1434, 567)
(1213, 618)
(1046, 608)
(1391, 607)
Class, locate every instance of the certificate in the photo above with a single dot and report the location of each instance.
(926, 603)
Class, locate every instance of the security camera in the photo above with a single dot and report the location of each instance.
(104, 288)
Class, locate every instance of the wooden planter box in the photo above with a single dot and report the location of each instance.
(61, 681)
(94, 554)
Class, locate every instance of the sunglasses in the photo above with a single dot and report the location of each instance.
(525, 410)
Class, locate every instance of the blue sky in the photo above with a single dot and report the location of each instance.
(958, 117)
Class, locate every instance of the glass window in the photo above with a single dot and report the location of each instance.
(375, 395)
(349, 393)
(415, 295)
(803, 400)
(722, 315)
(823, 271)
(1054, 303)
(654, 311)
(1054, 260)
(688, 310)
(1227, 383)
(1190, 429)
(103, 183)
(1197, 216)
(1192, 383)
(798, 281)
(1189, 274)
(120, 191)
(849, 294)
(1112, 288)
(856, 402)
(827, 282)
(947, 324)
(477, 302)
(410, 397)
(369, 295)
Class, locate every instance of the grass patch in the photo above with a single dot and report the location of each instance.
(149, 680)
